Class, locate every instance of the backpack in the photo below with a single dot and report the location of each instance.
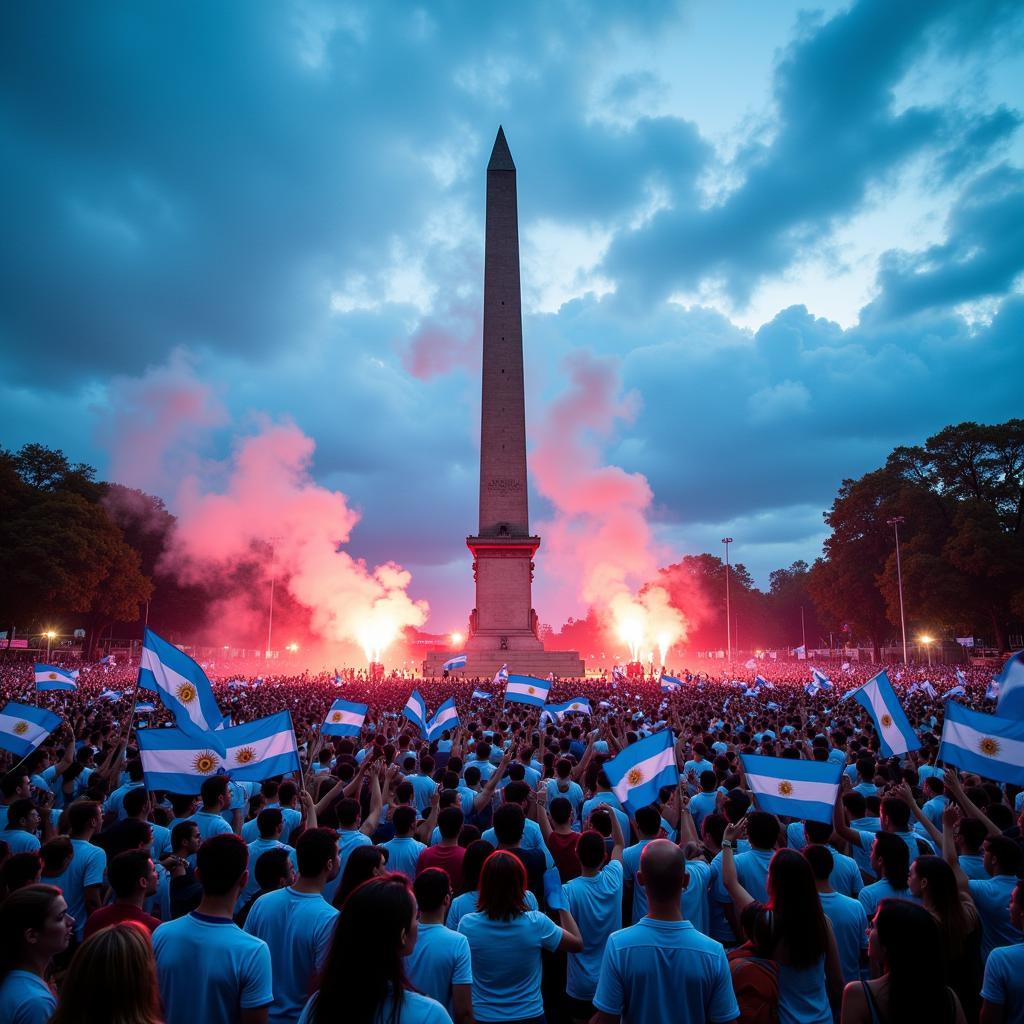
(755, 980)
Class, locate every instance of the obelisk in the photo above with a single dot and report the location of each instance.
(503, 627)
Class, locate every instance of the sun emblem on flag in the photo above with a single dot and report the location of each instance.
(245, 755)
(52, 675)
(635, 777)
(336, 717)
(989, 747)
(530, 689)
(21, 728)
(186, 693)
(205, 762)
(785, 788)
(886, 721)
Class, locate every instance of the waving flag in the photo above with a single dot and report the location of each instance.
(107, 694)
(639, 772)
(181, 684)
(811, 688)
(1010, 682)
(50, 677)
(453, 664)
(821, 679)
(446, 717)
(501, 676)
(416, 711)
(669, 684)
(618, 675)
(956, 691)
(896, 735)
(576, 706)
(990, 745)
(23, 728)
(238, 684)
(961, 678)
(527, 690)
(144, 706)
(760, 681)
(992, 693)
(799, 789)
(928, 688)
(800, 652)
(344, 719)
(750, 663)
(480, 695)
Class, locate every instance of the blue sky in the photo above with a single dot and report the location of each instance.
(797, 233)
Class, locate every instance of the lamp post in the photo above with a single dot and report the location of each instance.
(895, 522)
(728, 612)
(50, 634)
(928, 641)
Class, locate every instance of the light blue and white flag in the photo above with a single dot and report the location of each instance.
(446, 717)
(527, 690)
(956, 691)
(989, 745)
(180, 762)
(107, 659)
(800, 652)
(639, 772)
(772, 706)
(344, 719)
(1011, 687)
(992, 693)
(238, 684)
(821, 679)
(454, 664)
(750, 663)
(669, 684)
(961, 678)
(107, 694)
(52, 677)
(23, 728)
(501, 676)
(576, 706)
(181, 684)
(927, 687)
(480, 695)
(797, 789)
(416, 711)
(896, 735)
(811, 688)
(144, 706)
(760, 681)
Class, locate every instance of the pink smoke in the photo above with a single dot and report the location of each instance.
(437, 348)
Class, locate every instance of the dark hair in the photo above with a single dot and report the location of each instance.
(509, 822)
(134, 800)
(1006, 853)
(895, 858)
(314, 848)
(80, 813)
(403, 818)
(944, 902)
(271, 867)
(431, 887)
(125, 870)
(648, 820)
(821, 860)
(27, 908)
(516, 792)
(221, 862)
(472, 864)
(762, 829)
(213, 789)
(130, 834)
(794, 920)
(897, 812)
(910, 939)
(286, 792)
(54, 853)
(268, 821)
(181, 832)
(449, 822)
(972, 834)
(502, 887)
(362, 862)
(19, 869)
(10, 784)
(560, 810)
(347, 811)
(590, 849)
(364, 964)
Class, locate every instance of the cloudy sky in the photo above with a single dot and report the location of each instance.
(793, 234)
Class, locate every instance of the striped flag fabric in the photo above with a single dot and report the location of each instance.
(23, 728)
(181, 684)
(797, 789)
(1010, 682)
(669, 684)
(896, 735)
(344, 718)
(455, 664)
(821, 679)
(52, 677)
(416, 711)
(501, 676)
(481, 695)
(527, 690)
(576, 706)
(446, 717)
(638, 773)
(990, 745)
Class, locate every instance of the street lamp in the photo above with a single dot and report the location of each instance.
(50, 634)
(928, 641)
(895, 523)
(728, 612)
(456, 639)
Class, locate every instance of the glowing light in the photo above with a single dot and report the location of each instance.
(927, 639)
(631, 630)
(456, 639)
(293, 647)
(50, 634)
(664, 643)
(377, 634)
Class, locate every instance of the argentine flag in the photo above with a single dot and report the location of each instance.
(956, 691)
(527, 690)
(501, 676)
(576, 706)
(181, 684)
(821, 679)
(344, 719)
(107, 694)
(811, 688)
(416, 711)
(797, 789)
(990, 745)
(800, 652)
(928, 688)
(1010, 683)
(180, 762)
(638, 773)
(669, 684)
(992, 693)
(238, 684)
(144, 706)
(480, 695)
(961, 678)
(453, 664)
(23, 728)
(896, 735)
(50, 677)
(446, 717)
(760, 681)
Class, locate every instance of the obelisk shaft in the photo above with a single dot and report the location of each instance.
(503, 483)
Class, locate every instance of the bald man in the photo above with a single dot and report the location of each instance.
(662, 966)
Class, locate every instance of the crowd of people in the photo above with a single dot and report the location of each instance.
(492, 874)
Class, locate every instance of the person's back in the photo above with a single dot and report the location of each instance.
(209, 970)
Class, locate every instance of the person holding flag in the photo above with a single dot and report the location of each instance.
(896, 736)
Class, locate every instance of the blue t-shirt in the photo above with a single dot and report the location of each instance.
(694, 901)
(533, 839)
(19, 841)
(752, 871)
(701, 806)
(631, 869)
(25, 999)
(973, 865)
(656, 965)
(256, 850)
(598, 802)
(403, 853)
(348, 840)
(573, 793)
(298, 928)
(439, 960)
(871, 895)
(596, 906)
(423, 788)
(992, 898)
(211, 824)
(465, 903)
(803, 997)
(850, 927)
(416, 1009)
(846, 877)
(209, 970)
(1004, 982)
(507, 963)
(88, 866)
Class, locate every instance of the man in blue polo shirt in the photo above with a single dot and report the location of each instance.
(662, 961)
(1003, 988)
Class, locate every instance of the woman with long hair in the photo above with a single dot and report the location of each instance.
(792, 930)
(905, 943)
(364, 862)
(363, 980)
(111, 980)
(472, 864)
(890, 860)
(933, 881)
(505, 942)
(34, 927)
